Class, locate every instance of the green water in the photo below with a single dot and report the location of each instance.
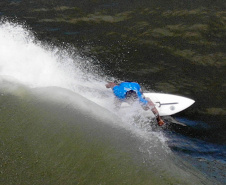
(42, 146)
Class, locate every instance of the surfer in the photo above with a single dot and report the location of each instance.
(130, 92)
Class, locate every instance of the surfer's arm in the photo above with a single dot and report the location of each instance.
(151, 106)
(110, 85)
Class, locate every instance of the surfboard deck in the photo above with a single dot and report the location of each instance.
(168, 104)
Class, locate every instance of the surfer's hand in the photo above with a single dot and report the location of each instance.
(160, 122)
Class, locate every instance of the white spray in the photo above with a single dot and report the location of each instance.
(36, 65)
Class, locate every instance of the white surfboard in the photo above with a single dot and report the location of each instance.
(168, 104)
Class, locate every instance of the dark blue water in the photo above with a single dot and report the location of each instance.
(192, 143)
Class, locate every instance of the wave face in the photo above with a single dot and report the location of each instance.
(58, 124)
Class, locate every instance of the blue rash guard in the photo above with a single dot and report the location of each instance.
(121, 89)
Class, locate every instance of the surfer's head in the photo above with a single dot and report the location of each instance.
(131, 95)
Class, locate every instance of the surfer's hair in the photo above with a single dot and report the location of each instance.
(131, 95)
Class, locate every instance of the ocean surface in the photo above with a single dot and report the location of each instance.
(58, 123)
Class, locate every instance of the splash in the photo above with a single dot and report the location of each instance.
(37, 65)
(32, 63)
